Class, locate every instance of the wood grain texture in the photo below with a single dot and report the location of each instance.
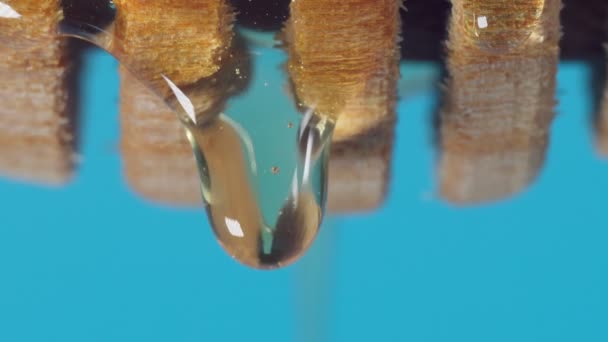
(344, 62)
(31, 41)
(36, 128)
(183, 40)
(345, 65)
(498, 108)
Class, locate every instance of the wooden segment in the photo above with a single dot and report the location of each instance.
(36, 128)
(346, 66)
(183, 40)
(359, 171)
(344, 60)
(498, 108)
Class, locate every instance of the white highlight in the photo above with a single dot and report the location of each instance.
(306, 172)
(183, 100)
(294, 188)
(482, 22)
(7, 11)
(234, 227)
(294, 184)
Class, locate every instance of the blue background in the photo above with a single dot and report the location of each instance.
(94, 262)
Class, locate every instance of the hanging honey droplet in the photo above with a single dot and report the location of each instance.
(498, 26)
(235, 196)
